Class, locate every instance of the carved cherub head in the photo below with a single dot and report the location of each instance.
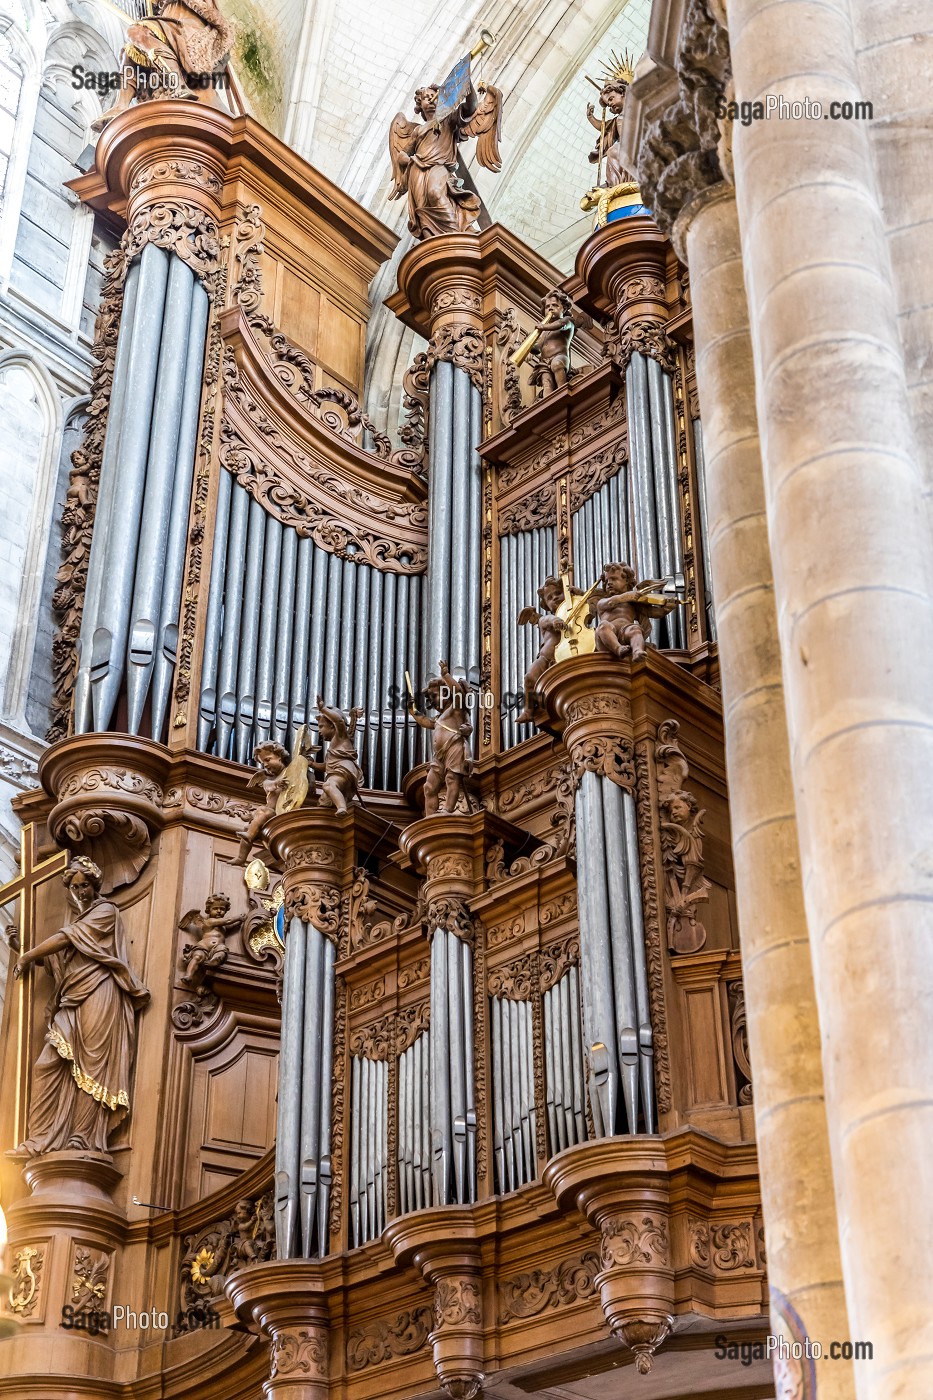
(271, 757)
(216, 905)
(619, 578)
(680, 807)
(558, 303)
(426, 101)
(551, 592)
(612, 95)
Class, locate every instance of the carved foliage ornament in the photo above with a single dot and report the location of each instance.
(375, 1042)
(456, 1303)
(517, 981)
(631, 1242)
(302, 1352)
(89, 1278)
(246, 1237)
(318, 905)
(382, 1340)
(570, 1281)
(722, 1248)
(453, 915)
(609, 755)
(681, 845)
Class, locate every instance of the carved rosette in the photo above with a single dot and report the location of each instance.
(108, 794)
(443, 1245)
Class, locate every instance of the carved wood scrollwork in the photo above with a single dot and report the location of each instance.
(652, 923)
(681, 844)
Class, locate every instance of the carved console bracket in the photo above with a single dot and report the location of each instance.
(316, 850)
(443, 1244)
(287, 1302)
(587, 703)
(108, 794)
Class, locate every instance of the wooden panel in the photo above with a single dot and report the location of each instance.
(340, 344)
(241, 1102)
(299, 310)
(708, 1083)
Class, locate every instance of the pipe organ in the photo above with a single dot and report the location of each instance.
(472, 1002)
(288, 621)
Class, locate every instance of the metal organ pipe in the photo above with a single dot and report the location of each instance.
(156, 499)
(281, 715)
(106, 488)
(215, 602)
(166, 647)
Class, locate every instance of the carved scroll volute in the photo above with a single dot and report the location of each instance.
(587, 701)
(314, 847)
(631, 1212)
(443, 1245)
(286, 1301)
(626, 277)
(108, 793)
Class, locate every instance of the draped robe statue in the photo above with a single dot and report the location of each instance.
(80, 1082)
(424, 160)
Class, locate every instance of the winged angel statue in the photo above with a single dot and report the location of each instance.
(424, 157)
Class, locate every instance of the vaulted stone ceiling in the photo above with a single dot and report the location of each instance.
(329, 75)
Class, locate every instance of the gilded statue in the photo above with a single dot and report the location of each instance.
(562, 623)
(615, 181)
(274, 780)
(81, 1080)
(210, 929)
(343, 776)
(175, 52)
(451, 763)
(625, 609)
(424, 156)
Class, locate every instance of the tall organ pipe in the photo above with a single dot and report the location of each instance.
(268, 616)
(249, 631)
(156, 498)
(281, 715)
(215, 605)
(166, 649)
(232, 612)
(287, 1220)
(437, 633)
(106, 488)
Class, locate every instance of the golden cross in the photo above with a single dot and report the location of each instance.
(32, 873)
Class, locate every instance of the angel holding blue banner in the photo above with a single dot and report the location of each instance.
(424, 153)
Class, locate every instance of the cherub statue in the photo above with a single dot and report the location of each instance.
(551, 628)
(210, 930)
(625, 609)
(451, 763)
(243, 1234)
(272, 759)
(424, 158)
(551, 364)
(168, 52)
(343, 776)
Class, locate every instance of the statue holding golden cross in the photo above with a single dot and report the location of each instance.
(32, 873)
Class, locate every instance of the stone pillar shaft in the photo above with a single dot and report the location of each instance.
(853, 587)
(793, 1140)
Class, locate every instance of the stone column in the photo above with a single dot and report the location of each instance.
(853, 587)
(797, 1192)
(690, 195)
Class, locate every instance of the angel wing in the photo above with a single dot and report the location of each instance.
(256, 778)
(485, 125)
(191, 922)
(528, 614)
(400, 134)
